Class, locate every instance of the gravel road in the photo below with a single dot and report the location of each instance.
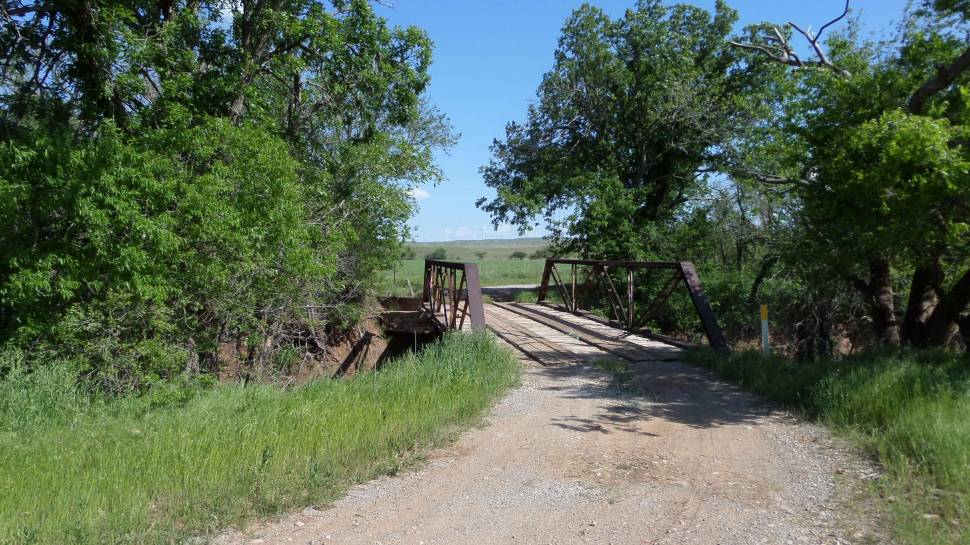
(569, 458)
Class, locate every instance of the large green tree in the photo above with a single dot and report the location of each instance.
(182, 174)
(631, 120)
(877, 154)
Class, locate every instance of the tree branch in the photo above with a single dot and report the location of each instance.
(945, 75)
(777, 180)
(788, 57)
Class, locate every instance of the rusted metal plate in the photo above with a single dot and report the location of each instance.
(474, 295)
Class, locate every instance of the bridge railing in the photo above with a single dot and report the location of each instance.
(452, 292)
(624, 306)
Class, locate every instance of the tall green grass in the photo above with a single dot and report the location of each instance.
(159, 470)
(910, 410)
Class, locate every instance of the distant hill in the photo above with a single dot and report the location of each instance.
(504, 242)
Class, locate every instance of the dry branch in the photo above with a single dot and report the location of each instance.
(783, 53)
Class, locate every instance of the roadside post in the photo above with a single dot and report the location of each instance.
(765, 346)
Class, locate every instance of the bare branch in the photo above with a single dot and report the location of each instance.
(788, 57)
(833, 21)
(777, 180)
(782, 58)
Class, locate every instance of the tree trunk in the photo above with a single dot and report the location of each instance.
(964, 325)
(767, 264)
(923, 298)
(883, 302)
(942, 324)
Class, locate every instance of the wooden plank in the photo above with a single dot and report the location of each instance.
(525, 342)
(640, 332)
(603, 327)
(541, 343)
(614, 341)
(543, 340)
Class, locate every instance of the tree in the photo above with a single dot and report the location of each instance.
(633, 116)
(481, 255)
(244, 182)
(518, 254)
(880, 161)
(438, 253)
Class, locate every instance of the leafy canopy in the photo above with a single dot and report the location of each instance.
(632, 116)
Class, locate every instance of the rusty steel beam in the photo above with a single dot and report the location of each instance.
(623, 264)
(544, 285)
(714, 335)
(615, 302)
(557, 278)
(662, 297)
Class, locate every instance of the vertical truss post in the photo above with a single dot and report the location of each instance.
(573, 293)
(544, 285)
(474, 297)
(629, 298)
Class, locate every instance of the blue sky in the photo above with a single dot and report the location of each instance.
(489, 57)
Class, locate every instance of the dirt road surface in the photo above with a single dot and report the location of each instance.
(568, 457)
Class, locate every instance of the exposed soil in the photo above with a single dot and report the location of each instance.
(362, 348)
(568, 457)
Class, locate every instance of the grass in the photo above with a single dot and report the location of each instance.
(492, 272)
(910, 410)
(166, 467)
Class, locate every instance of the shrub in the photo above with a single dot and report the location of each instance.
(439, 254)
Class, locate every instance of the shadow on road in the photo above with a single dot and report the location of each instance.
(634, 392)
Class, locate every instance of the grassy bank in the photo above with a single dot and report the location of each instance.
(910, 410)
(185, 462)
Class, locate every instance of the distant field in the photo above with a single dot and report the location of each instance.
(494, 272)
(466, 250)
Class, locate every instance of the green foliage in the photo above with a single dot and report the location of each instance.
(632, 113)
(893, 186)
(518, 254)
(438, 253)
(172, 182)
(910, 409)
(181, 462)
(480, 255)
(835, 186)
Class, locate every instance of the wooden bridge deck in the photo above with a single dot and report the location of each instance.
(554, 337)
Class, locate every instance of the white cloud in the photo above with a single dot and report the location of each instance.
(419, 194)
